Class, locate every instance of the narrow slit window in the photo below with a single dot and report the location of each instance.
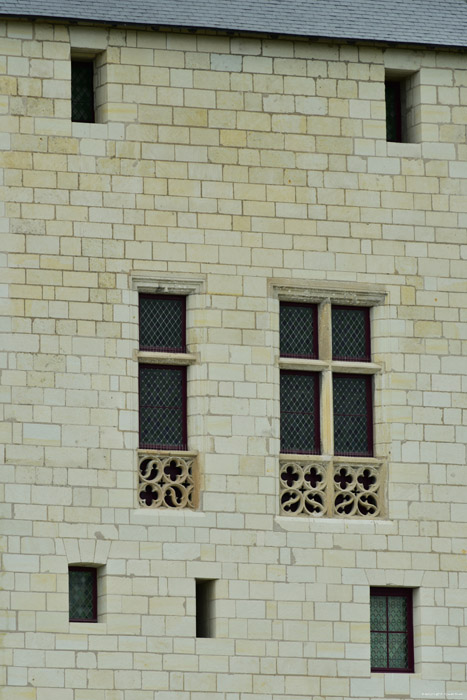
(82, 590)
(394, 110)
(82, 91)
(205, 608)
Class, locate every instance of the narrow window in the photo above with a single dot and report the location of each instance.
(162, 387)
(162, 395)
(352, 393)
(82, 91)
(394, 114)
(391, 623)
(353, 420)
(205, 608)
(299, 393)
(82, 589)
(162, 323)
(298, 330)
(351, 333)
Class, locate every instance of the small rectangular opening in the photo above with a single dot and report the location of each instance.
(82, 90)
(205, 613)
(82, 591)
(391, 627)
(394, 99)
(402, 97)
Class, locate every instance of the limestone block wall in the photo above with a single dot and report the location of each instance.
(239, 170)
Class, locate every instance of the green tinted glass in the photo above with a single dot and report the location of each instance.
(82, 594)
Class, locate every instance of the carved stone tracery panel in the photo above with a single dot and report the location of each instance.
(166, 481)
(331, 489)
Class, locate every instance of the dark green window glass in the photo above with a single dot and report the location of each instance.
(298, 330)
(82, 91)
(162, 323)
(299, 412)
(162, 414)
(82, 589)
(353, 430)
(351, 333)
(391, 630)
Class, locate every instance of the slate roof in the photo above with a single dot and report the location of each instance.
(435, 22)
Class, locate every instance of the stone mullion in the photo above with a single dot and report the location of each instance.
(325, 355)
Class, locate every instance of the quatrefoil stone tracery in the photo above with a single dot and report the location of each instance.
(330, 489)
(166, 481)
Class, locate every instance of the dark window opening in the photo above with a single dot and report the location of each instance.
(82, 590)
(353, 420)
(394, 114)
(299, 400)
(391, 624)
(351, 333)
(298, 330)
(162, 407)
(82, 91)
(205, 608)
(162, 323)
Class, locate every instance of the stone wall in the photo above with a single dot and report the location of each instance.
(237, 170)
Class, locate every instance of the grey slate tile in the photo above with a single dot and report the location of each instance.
(435, 22)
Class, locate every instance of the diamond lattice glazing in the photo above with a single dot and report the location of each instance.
(351, 333)
(82, 594)
(162, 323)
(298, 330)
(162, 421)
(352, 415)
(299, 412)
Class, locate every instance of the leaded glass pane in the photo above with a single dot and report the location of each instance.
(391, 630)
(397, 613)
(162, 323)
(82, 594)
(398, 650)
(378, 616)
(299, 412)
(352, 415)
(82, 91)
(298, 330)
(162, 407)
(379, 650)
(351, 333)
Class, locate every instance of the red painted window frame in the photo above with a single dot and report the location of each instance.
(399, 593)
